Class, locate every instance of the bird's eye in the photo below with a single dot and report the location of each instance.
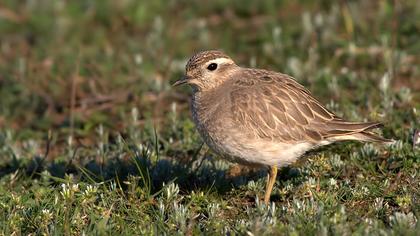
(212, 67)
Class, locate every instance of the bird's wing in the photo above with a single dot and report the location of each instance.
(275, 106)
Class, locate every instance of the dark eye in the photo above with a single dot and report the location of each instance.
(212, 66)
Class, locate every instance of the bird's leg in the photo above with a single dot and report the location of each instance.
(271, 179)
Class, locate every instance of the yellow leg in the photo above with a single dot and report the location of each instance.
(271, 179)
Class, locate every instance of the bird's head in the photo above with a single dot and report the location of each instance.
(206, 70)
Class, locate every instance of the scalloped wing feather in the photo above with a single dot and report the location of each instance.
(275, 106)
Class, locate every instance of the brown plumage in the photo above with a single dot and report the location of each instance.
(261, 117)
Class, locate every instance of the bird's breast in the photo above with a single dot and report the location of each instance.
(212, 119)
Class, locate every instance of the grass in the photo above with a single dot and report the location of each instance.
(93, 139)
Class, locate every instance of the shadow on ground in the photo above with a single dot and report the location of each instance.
(197, 175)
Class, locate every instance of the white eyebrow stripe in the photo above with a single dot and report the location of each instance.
(220, 61)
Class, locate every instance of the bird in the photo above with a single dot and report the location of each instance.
(261, 118)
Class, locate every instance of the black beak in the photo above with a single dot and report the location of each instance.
(181, 81)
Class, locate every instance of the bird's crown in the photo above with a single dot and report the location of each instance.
(204, 57)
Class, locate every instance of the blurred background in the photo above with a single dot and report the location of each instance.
(85, 89)
(78, 64)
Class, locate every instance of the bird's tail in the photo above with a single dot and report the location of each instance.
(344, 130)
(371, 137)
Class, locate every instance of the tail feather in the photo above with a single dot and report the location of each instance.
(353, 126)
(345, 130)
(371, 137)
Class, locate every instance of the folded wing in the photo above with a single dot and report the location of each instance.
(276, 107)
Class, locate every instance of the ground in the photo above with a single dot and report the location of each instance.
(94, 140)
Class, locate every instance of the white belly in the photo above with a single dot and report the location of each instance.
(267, 152)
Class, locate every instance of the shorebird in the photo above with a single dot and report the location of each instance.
(259, 117)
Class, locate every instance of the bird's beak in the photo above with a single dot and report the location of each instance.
(181, 81)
